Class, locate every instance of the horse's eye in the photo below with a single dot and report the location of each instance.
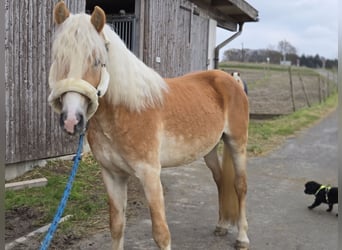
(97, 62)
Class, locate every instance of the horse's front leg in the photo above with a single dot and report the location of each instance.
(116, 186)
(150, 179)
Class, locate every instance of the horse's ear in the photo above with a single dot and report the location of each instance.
(98, 18)
(60, 12)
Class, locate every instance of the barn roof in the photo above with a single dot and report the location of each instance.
(228, 13)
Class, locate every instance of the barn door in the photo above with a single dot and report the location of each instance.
(199, 43)
(192, 39)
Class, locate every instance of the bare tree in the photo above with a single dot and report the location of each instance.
(285, 48)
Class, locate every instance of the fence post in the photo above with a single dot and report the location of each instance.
(328, 84)
(291, 90)
(324, 92)
(304, 90)
(319, 90)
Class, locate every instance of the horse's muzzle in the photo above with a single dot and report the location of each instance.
(73, 125)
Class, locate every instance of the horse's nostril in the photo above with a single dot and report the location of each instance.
(62, 118)
(72, 122)
(80, 124)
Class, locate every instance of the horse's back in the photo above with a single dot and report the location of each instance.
(207, 92)
(198, 96)
(216, 80)
(195, 115)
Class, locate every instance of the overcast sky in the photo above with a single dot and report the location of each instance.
(311, 26)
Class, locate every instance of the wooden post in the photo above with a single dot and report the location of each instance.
(328, 84)
(304, 90)
(291, 90)
(319, 90)
(323, 90)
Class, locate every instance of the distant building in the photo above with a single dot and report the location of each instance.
(285, 63)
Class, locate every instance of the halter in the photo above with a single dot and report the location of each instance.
(82, 87)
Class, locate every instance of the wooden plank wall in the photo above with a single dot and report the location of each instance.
(172, 32)
(32, 129)
(176, 35)
(199, 43)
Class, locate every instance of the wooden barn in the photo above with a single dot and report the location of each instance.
(172, 36)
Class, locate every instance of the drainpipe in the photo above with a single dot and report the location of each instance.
(224, 43)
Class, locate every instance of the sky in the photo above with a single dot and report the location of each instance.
(311, 26)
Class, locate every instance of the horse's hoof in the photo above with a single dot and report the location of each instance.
(239, 245)
(220, 231)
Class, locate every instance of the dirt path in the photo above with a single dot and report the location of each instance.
(277, 207)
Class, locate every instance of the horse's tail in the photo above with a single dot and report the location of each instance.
(230, 202)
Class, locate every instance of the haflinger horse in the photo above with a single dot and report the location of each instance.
(139, 122)
(242, 83)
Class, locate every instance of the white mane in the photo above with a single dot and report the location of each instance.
(76, 47)
(132, 82)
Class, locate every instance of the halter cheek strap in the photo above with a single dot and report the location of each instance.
(104, 82)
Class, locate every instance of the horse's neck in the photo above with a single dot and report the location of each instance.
(132, 83)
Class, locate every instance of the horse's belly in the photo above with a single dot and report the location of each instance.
(176, 151)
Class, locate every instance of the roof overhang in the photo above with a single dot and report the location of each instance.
(228, 13)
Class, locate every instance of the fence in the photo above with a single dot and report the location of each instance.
(316, 91)
(282, 90)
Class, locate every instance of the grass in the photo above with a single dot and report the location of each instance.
(265, 135)
(87, 201)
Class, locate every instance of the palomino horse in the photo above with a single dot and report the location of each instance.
(242, 83)
(139, 121)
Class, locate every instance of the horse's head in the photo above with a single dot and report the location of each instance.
(242, 83)
(236, 76)
(78, 74)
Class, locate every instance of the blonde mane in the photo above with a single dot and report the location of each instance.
(132, 82)
(77, 46)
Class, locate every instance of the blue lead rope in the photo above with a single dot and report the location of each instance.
(62, 204)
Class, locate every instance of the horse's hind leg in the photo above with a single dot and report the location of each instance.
(149, 175)
(237, 148)
(116, 186)
(212, 161)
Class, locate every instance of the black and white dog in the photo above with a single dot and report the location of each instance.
(323, 194)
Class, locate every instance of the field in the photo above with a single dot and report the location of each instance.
(269, 89)
(269, 94)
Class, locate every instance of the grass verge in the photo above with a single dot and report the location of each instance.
(266, 135)
(87, 202)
